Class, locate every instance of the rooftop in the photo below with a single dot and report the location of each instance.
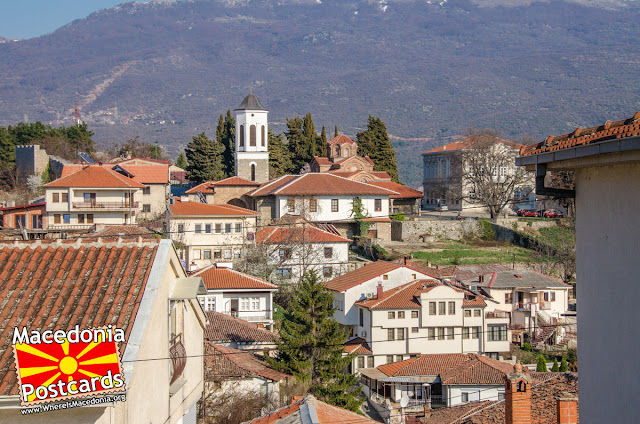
(514, 279)
(318, 184)
(224, 328)
(95, 176)
(361, 275)
(298, 234)
(208, 187)
(144, 174)
(180, 208)
(341, 139)
(466, 143)
(226, 278)
(228, 362)
(403, 191)
(358, 345)
(251, 102)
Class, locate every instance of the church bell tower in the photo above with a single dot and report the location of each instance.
(252, 149)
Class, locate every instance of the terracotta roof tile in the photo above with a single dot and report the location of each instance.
(95, 176)
(208, 187)
(404, 192)
(205, 209)
(358, 345)
(224, 328)
(360, 275)
(465, 143)
(51, 285)
(584, 136)
(225, 278)
(325, 413)
(309, 234)
(142, 161)
(318, 184)
(144, 174)
(381, 175)
(424, 365)
(341, 139)
(230, 362)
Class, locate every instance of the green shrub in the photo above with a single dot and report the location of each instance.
(564, 367)
(555, 367)
(380, 253)
(398, 217)
(487, 232)
(526, 347)
(542, 364)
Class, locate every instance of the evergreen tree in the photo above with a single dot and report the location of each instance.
(555, 367)
(564, 367)
(309, 131)
(204, 157)
(335, 132)
(181, 161)
(311, 345)
(322, 148)
(279, 157)
(542, 364)
(296, 142)
(374, 142)
(225, 135)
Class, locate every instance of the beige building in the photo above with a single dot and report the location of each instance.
(206, 234)
(606, 161)
(138, 286)
(232, 191)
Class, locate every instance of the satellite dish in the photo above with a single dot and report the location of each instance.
(404, 401)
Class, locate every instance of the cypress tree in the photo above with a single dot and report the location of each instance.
(564, 367)
(296, 142)
(204, 157)
(279, 157)
(226, 134)
(311, 345)
(374, 142)
(309, 131)
(181, 161)
(322, 148)
(555, 367)
(335, 132)
(542, 364)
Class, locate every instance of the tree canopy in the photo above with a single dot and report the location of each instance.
(181, 161)
(374, 142)
(204, 157)
(280, 162)
(225, 135)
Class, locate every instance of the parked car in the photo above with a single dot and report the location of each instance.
(552, 213)
(523, 212)
(540, 212)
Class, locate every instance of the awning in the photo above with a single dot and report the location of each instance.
(188, 288)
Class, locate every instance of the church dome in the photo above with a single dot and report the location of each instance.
(251, 102)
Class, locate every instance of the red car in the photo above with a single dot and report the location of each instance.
(552, 213)
(530, 212)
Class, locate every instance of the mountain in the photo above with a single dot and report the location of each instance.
(166, 70)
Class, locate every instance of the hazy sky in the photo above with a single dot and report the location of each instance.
(32, 18)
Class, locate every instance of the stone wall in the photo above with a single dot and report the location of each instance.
(432, 230)
(30, 160)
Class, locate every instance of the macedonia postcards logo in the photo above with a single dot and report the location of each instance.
(57, 365)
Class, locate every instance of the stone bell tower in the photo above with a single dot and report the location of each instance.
(252, 149)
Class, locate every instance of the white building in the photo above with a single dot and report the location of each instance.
(206, 234)
(239, 295)
(252, 144)
(296, 249)
(606, 161)
(92, 195)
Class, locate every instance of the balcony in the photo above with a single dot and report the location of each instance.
(537, 306)
(251, 315)
(105, 205)
(497, 314)
(178, 357)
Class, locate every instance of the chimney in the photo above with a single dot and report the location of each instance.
(407, 260)
(429, 264)
(438, 266)
(567, 411)
(380, 290)
(517, 396)
(481, 279)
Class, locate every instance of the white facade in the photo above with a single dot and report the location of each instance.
(253, 305)
(327, 259)
(252, 129)
(331, 208)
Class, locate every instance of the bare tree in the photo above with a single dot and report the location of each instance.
(490, 177)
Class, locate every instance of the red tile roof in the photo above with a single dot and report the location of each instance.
(95, 176)
(128, 231)
(326, 414)
(308, 234)
(51, 285)
(404, 192)
(224, 328)
(24, 207)
(225, 278)
(321, 160)
(205, 209)
(365, 273)
(341, 139)
(358, 345)
(465, 143)
(138, 161)
(584, 136)
(227, 362)
(207, 187)
(424, 365)
(318, 184)
(144, 174)
(382, 175)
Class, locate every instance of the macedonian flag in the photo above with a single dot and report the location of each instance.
(58, 371)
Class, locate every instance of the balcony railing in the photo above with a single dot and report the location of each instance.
(497, 314)
(105, 205)
(178, 356)
(251, 315)
(545, 306)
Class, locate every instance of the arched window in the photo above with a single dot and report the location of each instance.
(241, 135)
(253, 172)
(262, 137)
(346, 152)
(337, 150)
(252, 135)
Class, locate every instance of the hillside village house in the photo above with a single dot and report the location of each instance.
(28, 217)
(446, 181)
(232, 191)
(225, 330)
(138, 286)
(606, 161)
(92, 195)
(207, 234)
(238, 295)
(154, 175)
(407, 201)
(299, 248)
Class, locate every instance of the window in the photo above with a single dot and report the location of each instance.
(252, 135)
(385, 277)
(553, 296)
(476, 332)
(291, 205)
(253, 172)
(389, 359)
(327, 271)
(503, 171)
(465, 332)
(378, 205)
(181, 228)
(500, 395)
(198, 228)
(442, 308)
(227, 228)
(218, 228)
(334, 205)
(391, 334)
(65, 197)
(238, 227)
(20, 220)
(236, 253)
(244, 303)
(255, 303)
(80, 218)
(400, 314)
(476, 312)
(241, 135)
(440, 333)
(399, 358)
(449, 333)
(467, 313)
(66, 218)
(361, 317)
(284, 254)
(360, 361)
(217, 254)
(146, 190)
(263, 140)
(89, 218)
(90, 198)
(432, 308)
(414, 276)
(56, 198)
(400, 332)
(414, 314)
(197, 254)
(415, 329)
(227, 253)
(328, 252)
(313, 205)
(497, 333)
(146, 208)
(465, 397)
(207, 228)
(208, 303)
(283, 273)
(452, 308)
(507, 298)
(206, 254)
(432, 333)
(546, 296)
(369, 361)
(391, 315)
(36, 221)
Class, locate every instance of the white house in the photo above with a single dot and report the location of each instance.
(208, 234)
(137, 286)
(606, 161)
(92, 195)
(298, 248)
(239, 295)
